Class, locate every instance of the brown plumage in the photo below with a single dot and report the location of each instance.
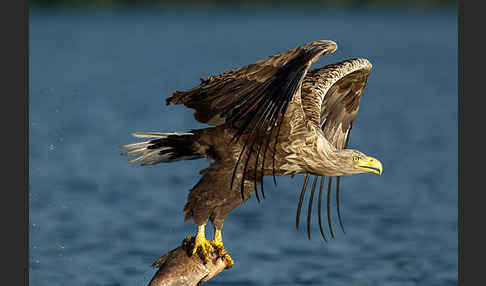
(273, 117)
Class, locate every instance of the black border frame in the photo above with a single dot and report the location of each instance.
(15, 142)
(470, 92)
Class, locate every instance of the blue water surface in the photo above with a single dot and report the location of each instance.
(98, 75)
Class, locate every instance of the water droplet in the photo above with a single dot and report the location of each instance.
(51, 147)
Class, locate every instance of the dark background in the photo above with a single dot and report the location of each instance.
(330, 3)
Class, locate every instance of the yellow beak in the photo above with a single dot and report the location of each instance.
(370, 165)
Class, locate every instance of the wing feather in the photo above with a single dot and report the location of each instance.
(330, 99)
(225, 95)
(254, 99)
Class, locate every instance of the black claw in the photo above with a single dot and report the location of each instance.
(337, 205)
(309, 209)
(328, 207)
(301, 199)
(319, 208)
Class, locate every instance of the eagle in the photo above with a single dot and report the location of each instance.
(274, 117)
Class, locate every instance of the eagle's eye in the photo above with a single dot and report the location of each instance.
(356, 158)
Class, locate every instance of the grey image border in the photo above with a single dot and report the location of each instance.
(15, 122)
(470, 55)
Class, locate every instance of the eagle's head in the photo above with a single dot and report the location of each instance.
(355, 162)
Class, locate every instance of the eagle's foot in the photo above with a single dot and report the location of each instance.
(199, 245)
(217, 243)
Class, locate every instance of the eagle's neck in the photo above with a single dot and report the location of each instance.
(312, 153)
(327, 158)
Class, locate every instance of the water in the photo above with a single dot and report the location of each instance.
(96, 76)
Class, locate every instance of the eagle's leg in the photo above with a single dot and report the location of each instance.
(200, 243)
(217, 243)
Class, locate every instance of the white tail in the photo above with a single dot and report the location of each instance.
(162, 147)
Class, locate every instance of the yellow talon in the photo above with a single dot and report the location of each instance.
(200, 244)
(218, 244)
(206, 248)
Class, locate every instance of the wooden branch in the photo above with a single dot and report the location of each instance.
(177, 268)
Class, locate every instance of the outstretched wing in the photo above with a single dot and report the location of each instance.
(330, 99)
(254, 98)
(236, 93)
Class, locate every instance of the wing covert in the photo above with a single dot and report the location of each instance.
(331, 97)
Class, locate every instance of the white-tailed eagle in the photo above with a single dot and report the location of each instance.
(273, 117)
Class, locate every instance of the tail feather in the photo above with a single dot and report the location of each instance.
(161, 148)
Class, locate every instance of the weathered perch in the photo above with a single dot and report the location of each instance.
(177, 268)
